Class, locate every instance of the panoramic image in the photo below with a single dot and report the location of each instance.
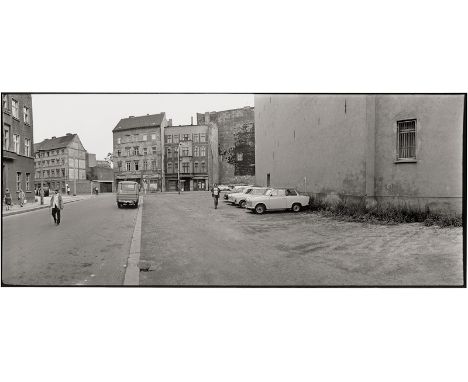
(246, 190)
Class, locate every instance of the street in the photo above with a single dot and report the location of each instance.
(185, 241)
(89, 247)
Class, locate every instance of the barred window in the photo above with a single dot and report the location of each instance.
(406, 139)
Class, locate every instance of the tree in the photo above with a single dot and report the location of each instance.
(109, 158)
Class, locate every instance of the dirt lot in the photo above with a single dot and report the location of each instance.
(185, 241)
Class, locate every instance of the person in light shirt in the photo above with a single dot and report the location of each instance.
(56, 203)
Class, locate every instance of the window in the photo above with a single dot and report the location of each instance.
(195, 167)
(145, 137)
(63, 172)
(196, 137)
(52, 162)
(168, 138)
(145, 150)
(137, 165)
(26, 115)
(176, 138)
(119, 141)
(6, 137)
(145, 165)
(16, 143)
(203, 168)
(185, 151)
(153, 165)
(185, 168)
(154, 150)
(153, 137)
(127, 151)
(27, 147)
(18, 180)
(119, 153)
(62, 152)
(406, 139)
(14, 108)
(135, 137)
(185, 137)
(202, 151)
(5, 103)
(169, 167)
(176, 166)
(52, 173)
(196, 151)
(119, 165)
(128, 166)
(291, 193)
(169, 152)
(239, 157)
(127, 187)
(136, 150)
(44, 174)
(202, 137)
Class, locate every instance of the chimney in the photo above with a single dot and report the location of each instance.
(54, 137)
(192, 121)
(207, 117)
(131, 116)
(67, 134)
(169, 122)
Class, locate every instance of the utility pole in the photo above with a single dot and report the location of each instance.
(42, 187)
(178, 168)
(74, 178)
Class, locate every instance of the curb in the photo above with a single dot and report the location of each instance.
(6, 213)
(132, 271)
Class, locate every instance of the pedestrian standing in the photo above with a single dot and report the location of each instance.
(215, 194)
(21, 197)
(56, 203)
(7, 199)
(68, 190)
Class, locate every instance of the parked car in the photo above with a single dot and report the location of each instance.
(223, 187)
(128, 193)
(243, 192)
(234, 190)
(241, 199)
(277, 199)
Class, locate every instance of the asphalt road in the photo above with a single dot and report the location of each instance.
(89, 247)
(185, 241)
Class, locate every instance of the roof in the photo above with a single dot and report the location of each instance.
(143, 121)
(54, 143)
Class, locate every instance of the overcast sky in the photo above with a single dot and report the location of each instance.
(93, 116)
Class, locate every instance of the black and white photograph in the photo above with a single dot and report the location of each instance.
(233, 189)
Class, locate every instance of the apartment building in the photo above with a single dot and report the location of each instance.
(187, 153)
(61, 161)
(139, 151)
(17, 145)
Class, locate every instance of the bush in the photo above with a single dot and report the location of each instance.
(387, 214)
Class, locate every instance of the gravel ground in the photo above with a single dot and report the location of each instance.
(185, 241)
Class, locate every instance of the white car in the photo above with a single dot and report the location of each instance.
(236, 189)
(278, 199)
(223, 187)
(241, 199)
(242, 192)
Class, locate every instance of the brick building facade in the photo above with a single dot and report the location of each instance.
(17, 145)
(236, 143)
(139, 151)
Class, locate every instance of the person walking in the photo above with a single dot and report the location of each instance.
(215, 194)
(56, 203)
(21, 197)
(68, 190)
(7, 199)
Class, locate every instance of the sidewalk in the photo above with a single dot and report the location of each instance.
(16, 209)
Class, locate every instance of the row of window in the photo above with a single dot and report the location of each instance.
(135, 138)
(51, 162)
(16, 144)
(15, 109)
(185, 168)
(19, 181)
(43, 154)
(175, 138)
(53, 173)
(133, 151)
(135, 165)
(198, 151)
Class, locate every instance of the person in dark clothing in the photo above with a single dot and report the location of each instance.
(56, 203)
(215, 194)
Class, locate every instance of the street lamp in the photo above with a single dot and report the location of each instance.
(178, 167)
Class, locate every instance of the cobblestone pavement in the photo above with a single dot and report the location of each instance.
(185, 241)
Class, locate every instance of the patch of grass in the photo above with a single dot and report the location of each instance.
(384, 214)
